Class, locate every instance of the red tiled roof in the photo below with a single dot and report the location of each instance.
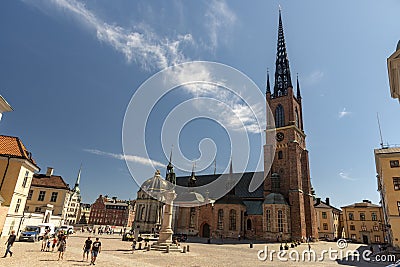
(54, 181)
(13, 146)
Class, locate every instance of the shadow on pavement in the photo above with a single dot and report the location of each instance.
(219, 241)
(362, 256)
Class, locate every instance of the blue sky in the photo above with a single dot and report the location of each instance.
(69, 69)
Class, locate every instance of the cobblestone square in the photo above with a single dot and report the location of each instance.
(118, 253)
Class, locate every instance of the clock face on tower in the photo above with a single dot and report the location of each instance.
(280, 136)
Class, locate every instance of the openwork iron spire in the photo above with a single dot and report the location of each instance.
(282, 70)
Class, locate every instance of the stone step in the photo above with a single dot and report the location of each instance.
(163, 247)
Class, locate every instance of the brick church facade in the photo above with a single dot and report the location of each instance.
(282, 208)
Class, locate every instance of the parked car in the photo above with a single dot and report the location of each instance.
(180, 237)
(68, 229)
(30, 233)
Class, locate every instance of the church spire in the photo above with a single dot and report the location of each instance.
(282, 70)
(170, 175)
(192, 178)
(268, 91)
(298, 88)
(78, 178)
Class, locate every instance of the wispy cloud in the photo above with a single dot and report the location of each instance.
(130, 158)
(152, 51)
(246, 114)
(343, 113)
(314, 77)
(140, 45)
(220, 19)
(346, 176)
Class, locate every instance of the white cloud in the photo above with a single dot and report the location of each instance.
(343, 113)
(314, 77)
(346, 176)
(130, 158)
(220, 19)
(200, 75)
(142, 45)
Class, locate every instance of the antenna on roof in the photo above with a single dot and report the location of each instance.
(380, 131)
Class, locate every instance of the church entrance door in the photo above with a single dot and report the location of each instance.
(206, 230)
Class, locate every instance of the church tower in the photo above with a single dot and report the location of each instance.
(289, 175)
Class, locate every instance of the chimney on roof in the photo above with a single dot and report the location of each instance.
(49, 171)
(115, 199)
(318, 201)
(367, 201)
(327, 201)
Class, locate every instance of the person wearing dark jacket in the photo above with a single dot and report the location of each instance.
(9, 243)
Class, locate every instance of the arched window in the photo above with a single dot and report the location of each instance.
(248, 226)
(275, 182)
(192, 215)
(280, 221)
(232, 220)
(142, 213)
(297, 118)
(280, 155)
(268, 220)
(279, 116)
(220, 219)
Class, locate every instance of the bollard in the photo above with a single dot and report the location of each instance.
(188, 250)
(140, 246)
(184, 249)
(149, 247)
(167, 249)
(251, 245)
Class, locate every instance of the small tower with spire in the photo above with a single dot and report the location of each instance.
(170, 175)
(192, 179)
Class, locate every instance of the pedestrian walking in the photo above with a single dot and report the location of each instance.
(54, 243)
(133, 245)
(96, 249)
(86, 248)
(10, 243)
(62, 245)
(44, 241)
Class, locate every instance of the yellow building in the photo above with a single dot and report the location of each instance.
(16, 168)
(328, 220)
(393, 64)
(48, 189)
(388, 170)
(362, 222)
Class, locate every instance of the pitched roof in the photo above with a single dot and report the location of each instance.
(363, 204)
(275, 198)
(253, 207)
(241, 188)
(54, 181)
(388, 150)
(323, 204)
(13, 147)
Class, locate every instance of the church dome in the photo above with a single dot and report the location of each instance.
(156, 185)
(275, 198)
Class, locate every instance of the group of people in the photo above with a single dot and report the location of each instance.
(59, 239)
(91, 247)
